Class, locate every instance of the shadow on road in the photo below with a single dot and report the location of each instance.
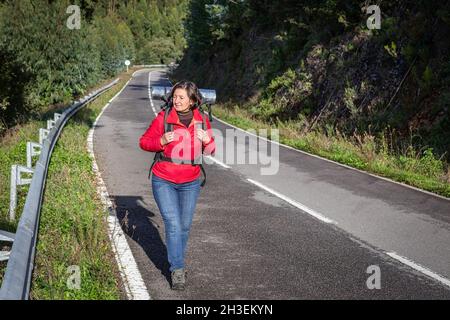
(137, 86)
(139, 224)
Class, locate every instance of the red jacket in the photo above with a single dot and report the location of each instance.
(185, 145)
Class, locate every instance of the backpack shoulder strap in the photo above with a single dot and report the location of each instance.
(203, 119)
(167, 126)
(158, 155)
(201, 157)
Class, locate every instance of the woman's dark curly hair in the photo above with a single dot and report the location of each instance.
(192, 92)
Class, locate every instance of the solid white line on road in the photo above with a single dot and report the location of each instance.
(131, 277)
(294, 203)
(150, 93)
(149, 90)
(218, 162)
(419, 268)
(115, 96)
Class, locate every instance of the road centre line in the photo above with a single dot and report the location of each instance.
(296, 204)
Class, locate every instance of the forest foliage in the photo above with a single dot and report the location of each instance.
(44, 62)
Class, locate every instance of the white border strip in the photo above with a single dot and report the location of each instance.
(419, 268)
(340, 164)
(131, 277)
(218, 162)
(150, 92)
(294, 203)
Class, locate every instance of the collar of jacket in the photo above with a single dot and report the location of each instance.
(173, 116)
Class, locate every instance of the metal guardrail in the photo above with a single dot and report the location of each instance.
(171, 66)
(155, 65)
(17, 280)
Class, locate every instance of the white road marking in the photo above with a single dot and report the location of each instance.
(218, 162)
(150, 93)
(419, 268)
(294, 203)
(132, 279)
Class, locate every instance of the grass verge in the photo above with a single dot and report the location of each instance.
(364, 152)
(73, 229)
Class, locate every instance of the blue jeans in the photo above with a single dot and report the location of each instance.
(176, 202)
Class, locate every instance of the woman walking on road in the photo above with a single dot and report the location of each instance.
(175, 183)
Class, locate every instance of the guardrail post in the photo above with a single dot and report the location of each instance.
(4, 255)
(16, 180)
(43, 134)
(5, 237)
(31, 152)
(50, 124)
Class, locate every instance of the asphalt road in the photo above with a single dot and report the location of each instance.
(247, 243)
